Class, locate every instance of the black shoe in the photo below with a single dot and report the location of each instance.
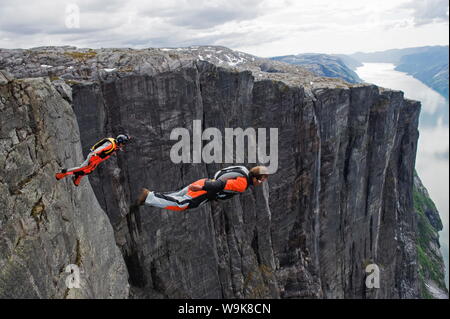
(142, 197)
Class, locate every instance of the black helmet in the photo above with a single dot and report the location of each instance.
(122, 139)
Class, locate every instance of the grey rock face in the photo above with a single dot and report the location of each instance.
(47, 225)
(341, 199)
(207, 253)
(5, 77)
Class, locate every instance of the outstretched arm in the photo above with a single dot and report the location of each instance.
(214, 186)
(238, 184)
(211, 186)
(101, 148)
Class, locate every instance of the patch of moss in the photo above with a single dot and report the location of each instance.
(81, 56)
(284, 88)
(38, 210)
(127, 68)
(367, 262)
(422, 202)
(78, 260)
(72, 82)
(424, 293)
(429, 263)
(426, 232)
(428, 266)
(254, 277)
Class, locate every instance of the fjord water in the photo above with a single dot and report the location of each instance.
(432, 163)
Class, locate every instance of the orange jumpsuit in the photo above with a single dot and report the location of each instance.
(224, 187)
(97, 156)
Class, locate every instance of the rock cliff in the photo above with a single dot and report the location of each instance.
(341, 199)
(46, 226)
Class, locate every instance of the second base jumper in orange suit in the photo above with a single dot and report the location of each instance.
(100, 152)
(227, 182)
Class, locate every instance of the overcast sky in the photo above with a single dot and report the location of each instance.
(263, 28)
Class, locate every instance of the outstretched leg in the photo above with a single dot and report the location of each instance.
(71, 171)
(77, 176)
(88, 166)
(62, 174)
(178, 201)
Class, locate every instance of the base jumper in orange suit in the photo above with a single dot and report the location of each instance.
(227, 183)
(100, 152)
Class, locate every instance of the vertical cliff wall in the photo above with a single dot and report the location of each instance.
(368, 146)
(226, 250)
(47, 225)
(341, 199)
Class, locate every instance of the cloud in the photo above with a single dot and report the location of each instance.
(427, 11)
(208, 14)
(49, 17)
(136, 22)
(260, 27)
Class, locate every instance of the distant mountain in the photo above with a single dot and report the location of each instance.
(323, 65)
(427, 64)
(429, 67)
(394, 55)
(349, 61)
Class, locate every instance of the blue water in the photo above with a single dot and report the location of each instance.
(432, 163)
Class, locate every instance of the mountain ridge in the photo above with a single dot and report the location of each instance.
(322, 65)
